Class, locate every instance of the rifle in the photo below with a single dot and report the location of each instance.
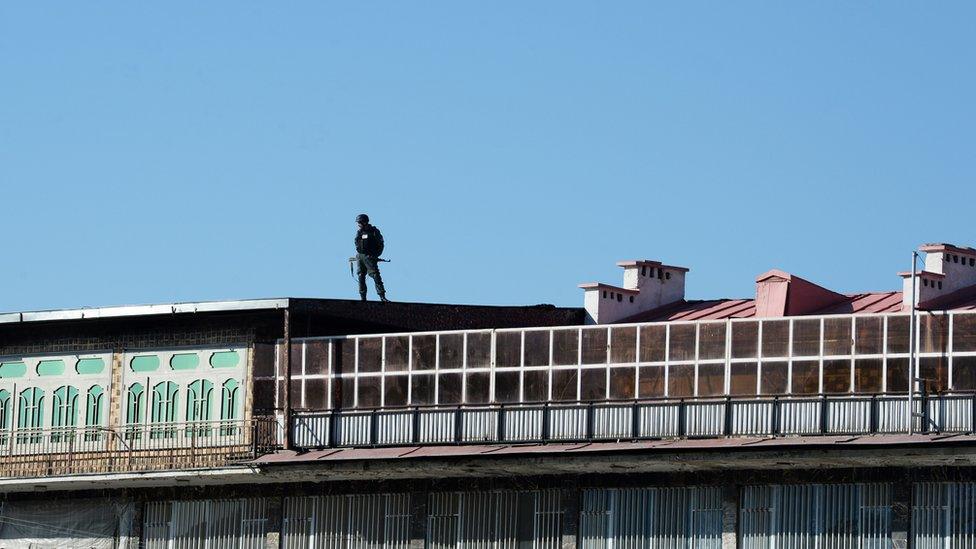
(352, 261)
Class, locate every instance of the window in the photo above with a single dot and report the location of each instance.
(682, 342)
(652, 339)
(198, 400)
(93, 413)
(775, 338)
(228, 406)
(64, 410)
(743, 379)
(711, 340)
(774, 378)
(4, 414)
(164, 400)
(30, 414)
(135, 405)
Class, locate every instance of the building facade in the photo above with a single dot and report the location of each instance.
(802, 417)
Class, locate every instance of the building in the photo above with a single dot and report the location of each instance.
(642, 419)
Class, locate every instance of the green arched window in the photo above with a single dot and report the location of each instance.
(135, 404)
(93, 408)
(64, 412)
(228, 399)
(30, 414)
(4, 414)
(164, 398)
(228, 406)
(198, 396)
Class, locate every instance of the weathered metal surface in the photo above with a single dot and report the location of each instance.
(635, 518)
(210, 524)
(349, 521)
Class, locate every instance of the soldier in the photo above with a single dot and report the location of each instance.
(369, 247)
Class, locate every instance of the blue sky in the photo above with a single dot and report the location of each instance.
(508, 151)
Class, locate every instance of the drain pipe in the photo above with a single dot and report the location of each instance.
(286, 362)
(912, 344)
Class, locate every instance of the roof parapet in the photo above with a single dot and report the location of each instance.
(949, 269)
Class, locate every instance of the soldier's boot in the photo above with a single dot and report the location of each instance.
(362, 296)
(383, 298)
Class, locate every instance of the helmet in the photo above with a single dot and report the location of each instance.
(362, 218)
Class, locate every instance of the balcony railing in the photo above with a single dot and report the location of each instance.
(777, 416)
(134, 448)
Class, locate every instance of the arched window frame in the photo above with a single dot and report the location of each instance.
(5, 415)
(64, 413)
(93, 412)
(30, 415)
(165, 397)
(198, 399)
(229, 392)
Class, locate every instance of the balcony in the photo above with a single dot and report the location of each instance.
(136, 448)
(800, 376)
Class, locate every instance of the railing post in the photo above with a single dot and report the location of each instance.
(682, 409)
(924, 401)
(873, 418)
(823, 414)
(545, 422)
(590, 421)
(501, 423)
(71, 452)
(373, 420)
(775, 427)
(416, 425)
(458, 428)
(333, 428)
(727, 428)
(634, 421)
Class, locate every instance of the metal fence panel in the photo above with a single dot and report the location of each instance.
(848, 416)
(703, 420)
(613, 422)
(659, 420)
(523, 424)
(495, 520)
(211, 524)
(752, 418)
(799, 417)
(394, 428)
(652, 518)
(356, 521)
(815, 516)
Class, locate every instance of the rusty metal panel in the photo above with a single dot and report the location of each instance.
(799, 417)
(659, 420)
(848, 416)
(523, 424)
(613, 422)
(752, 418)
(706, 419)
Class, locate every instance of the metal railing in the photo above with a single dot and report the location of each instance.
(774, 416)
(132, 448)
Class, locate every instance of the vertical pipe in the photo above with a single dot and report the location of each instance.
(911, 349)
(286, 359)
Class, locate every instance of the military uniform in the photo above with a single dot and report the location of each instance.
(369, 247)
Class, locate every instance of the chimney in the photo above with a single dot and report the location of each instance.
(647, 285)
(780, 293)
(948, 269)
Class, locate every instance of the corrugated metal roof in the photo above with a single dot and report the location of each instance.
(721, 309)
(656, 446)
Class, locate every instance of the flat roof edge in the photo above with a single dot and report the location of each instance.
(144, 310)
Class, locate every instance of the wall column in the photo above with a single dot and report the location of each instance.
(418, 520)
(901, 514)
(571, 514)
(730, 516)
(272, 533)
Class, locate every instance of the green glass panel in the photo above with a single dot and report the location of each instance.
(50, 368)
(145, 363)
(225, 359)
(186, 361)
(90, 366)
(12, 369)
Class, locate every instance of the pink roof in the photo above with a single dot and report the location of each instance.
(720, 309)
